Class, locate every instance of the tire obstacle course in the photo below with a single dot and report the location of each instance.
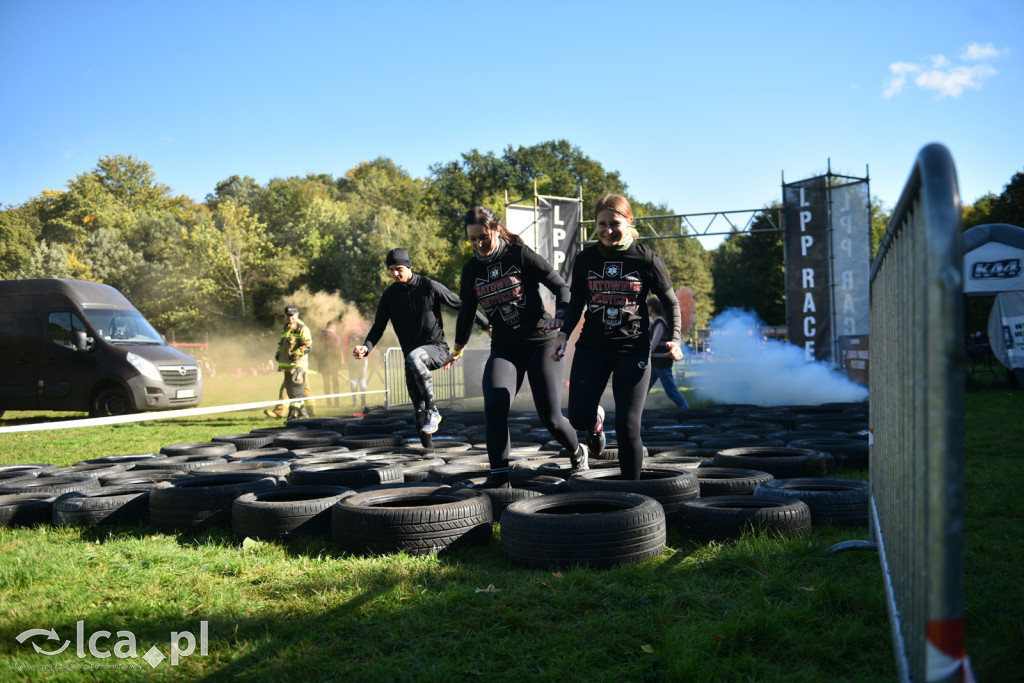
(368, 485)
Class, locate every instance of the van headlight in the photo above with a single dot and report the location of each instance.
(145, 368)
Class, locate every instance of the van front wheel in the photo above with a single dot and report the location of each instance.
(110, 401)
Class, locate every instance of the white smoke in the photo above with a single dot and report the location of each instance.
(745, 367)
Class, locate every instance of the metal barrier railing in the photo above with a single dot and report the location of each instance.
(917, 417)
(448, 384)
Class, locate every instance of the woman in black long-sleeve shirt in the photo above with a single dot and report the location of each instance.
(504, 277)
(610, 282)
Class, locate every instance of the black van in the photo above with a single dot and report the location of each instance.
(81, 345)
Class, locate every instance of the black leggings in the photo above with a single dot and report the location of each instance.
(630, 377)
(503, 376)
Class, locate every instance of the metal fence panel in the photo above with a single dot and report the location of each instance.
(448, 384)
(917, 377)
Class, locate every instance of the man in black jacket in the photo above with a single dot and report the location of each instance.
(413, 306)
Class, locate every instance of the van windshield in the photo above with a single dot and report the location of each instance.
(122, 327)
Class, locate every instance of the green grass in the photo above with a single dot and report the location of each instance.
(759, 609)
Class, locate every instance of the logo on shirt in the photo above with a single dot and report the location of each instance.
(612, 295)
(501, 293)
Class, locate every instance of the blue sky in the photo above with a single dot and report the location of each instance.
(701, 106)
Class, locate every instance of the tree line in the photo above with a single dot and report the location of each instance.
(228, 261)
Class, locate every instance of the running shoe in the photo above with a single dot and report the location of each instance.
(432, 421)
(595, 437)
(579, 459)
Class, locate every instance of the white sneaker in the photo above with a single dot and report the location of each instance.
(432, 421)
(579, 460)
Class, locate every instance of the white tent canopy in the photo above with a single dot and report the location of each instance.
(993, 259)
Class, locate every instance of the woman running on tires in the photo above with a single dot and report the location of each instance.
(610, 282)
(504, 278)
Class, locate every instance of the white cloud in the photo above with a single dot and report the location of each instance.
(900, 71)
(952, 82)
(944, 77)
(979, 53)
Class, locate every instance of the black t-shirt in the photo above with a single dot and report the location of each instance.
(613, 291)
(508, 289)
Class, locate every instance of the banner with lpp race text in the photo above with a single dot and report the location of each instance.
(808, 300)
(551, 229)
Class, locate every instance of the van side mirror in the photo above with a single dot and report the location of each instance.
(82, 341)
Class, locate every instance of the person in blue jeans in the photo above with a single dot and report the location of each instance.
(661, 360)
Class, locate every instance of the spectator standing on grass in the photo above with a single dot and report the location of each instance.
(412, 304)
(661, 359)
(610, 284)
(293, 361)
(329, 359)
(504, 277)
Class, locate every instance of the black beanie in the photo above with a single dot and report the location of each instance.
(398, 257)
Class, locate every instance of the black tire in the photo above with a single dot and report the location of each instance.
(26, 509)
(278, 513)
(399, 485)
(500, 498)
(243, 442)
(722, 518)
(597, 528)
(371, 441)
(842, 502)
(95, 471)
(780, 461)
(666, 446)
(194, 502)
(53, 486)
(418, 469)
(12, 473)
(418, 520)
(179, 462)
(277, 430)
(265, 467)
(671, 461)
(134, 477)
(307, 461)
(128, 458)
(260, 453)
(668, 487)
(356, 429)
(437, 447)
(612, 451)
(110, 401)
(333, 424)
(453, 472)
(207, 448)
(847, 451)
(732, 440)
(324, 450)
(528, 479)
(353, 475)
(307, 439)
(729, 481)
(106, 505)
